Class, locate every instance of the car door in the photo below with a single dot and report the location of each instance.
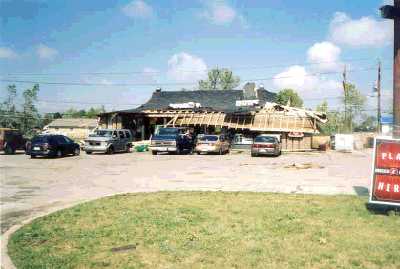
(115, 141)
(60, 143)
(122, 140)
(69, 145)
(222, 143)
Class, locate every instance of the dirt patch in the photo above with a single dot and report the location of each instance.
(304, 166)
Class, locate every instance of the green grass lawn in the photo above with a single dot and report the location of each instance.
(211, 230)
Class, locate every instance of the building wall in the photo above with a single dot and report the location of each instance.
(296, 143)
(76, 133)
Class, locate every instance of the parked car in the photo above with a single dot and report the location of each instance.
(212, 144)
(266, 145)
(11, 140)
(171, 140)
(108, 141)
(53, 146)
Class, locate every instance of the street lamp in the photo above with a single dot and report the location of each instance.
(390, 12)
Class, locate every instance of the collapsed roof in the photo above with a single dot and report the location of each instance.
(216, 100)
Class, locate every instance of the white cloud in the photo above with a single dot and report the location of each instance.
(365, 31)
(221, 13)
(7, 53)
(388, 2)
(307, 84)
(325, 55)
(184, 67)
(295, 77)
(138, 9)
(45, 52)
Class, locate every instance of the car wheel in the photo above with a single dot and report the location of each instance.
(33, 156)
(89, 152)
(110, 150)
(198, 153)
(59, 153)
(9, 150)
(153, 152)
(77, 151)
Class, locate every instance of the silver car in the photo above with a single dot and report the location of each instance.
(266, 145)
(108, 141)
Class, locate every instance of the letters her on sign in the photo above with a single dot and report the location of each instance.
(386, 173)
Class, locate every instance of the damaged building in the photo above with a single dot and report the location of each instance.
(241, 114)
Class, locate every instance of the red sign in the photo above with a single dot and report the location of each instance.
(385, 186)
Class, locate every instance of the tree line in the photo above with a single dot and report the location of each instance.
(26, 117)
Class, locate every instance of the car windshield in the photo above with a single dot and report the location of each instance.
(208, 138)
(40, 139)
(168, 131)
(265, 139)
(102, 133)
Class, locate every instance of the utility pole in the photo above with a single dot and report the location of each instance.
(345, 97)
(378, 89)
(393, 12)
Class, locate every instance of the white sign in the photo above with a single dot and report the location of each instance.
(247, 102)
(185, 105)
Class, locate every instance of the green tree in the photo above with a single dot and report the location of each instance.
(353, 102)
(30, 115)
(219, 79)
(93, 112)
(90, 113)
(368, 124)
(323, 107)
(289, 97)
(334, 120)
(9, 117)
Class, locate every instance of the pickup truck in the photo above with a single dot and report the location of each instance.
(11, 140)
(171, 140)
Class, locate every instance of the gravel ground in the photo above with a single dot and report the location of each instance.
(33, 186)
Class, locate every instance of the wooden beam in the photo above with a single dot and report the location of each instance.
(265, 121)
(244, 120)
(216, 121)
(190, 120)
(175, 118)
(210, 118)
(252, 121)
(202, 119)
(168, 123)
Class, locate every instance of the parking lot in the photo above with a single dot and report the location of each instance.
(34, 186)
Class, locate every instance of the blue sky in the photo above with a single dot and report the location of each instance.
(170, 43)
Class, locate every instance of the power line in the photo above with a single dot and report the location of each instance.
(189, 71)
(174, 83)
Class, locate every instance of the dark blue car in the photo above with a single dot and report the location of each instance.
(53, 146)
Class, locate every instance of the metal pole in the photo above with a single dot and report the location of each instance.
(378, 89)
(345, 99)
(396, 74)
